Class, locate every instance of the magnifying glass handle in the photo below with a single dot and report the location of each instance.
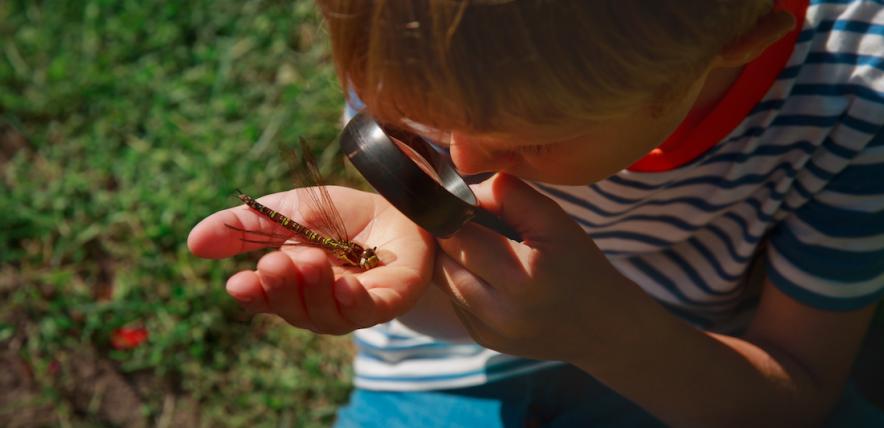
(494, 223)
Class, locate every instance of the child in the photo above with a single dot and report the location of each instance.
(707, 248)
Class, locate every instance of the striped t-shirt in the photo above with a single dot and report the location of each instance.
(795, 186)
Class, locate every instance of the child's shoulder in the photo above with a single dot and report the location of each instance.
(835, 77)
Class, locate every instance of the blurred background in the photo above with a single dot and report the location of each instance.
(122, 124)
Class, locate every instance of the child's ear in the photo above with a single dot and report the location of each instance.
(752, 43)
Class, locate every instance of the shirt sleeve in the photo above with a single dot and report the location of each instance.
(829, 253)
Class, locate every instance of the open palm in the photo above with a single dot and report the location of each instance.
(307, 286)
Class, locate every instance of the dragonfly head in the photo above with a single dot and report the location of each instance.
(369, 258)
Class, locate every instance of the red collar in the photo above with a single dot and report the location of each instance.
(699, 131)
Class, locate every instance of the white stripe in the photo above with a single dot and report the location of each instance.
(417, 367)
(807, 234)
(862, 203)
(456, 382)
(828, 288)
(870, 156)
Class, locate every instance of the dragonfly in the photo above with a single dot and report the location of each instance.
(332, 232)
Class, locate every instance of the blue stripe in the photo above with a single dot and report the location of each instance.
(806, 35)
(665, 282)
(826, 122)
(706, 253)
(695, 277)
(819, 301)
(822, 2)
(806, 120)
(840, 222)
(845, 25)
(837, 149)
(822, 90)
(632, 236)
(824, 262)
(839, 90)
(845, 58)
(756, 205)
(491, 369)
(388, 347)
(861, 125)
(385, 356)
(744, 227)
(804, 147)
(851, 27)
(806, 194)
(699, 203)
(860, 180)
(729, 244)
(669, 220)
(567, 197)
(876, 141)
(769, 105)
(818, 171)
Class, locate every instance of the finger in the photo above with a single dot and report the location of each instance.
(245, 288)
(217, 236)
(355, 302)
(543, 225)
(466, 290)
(476, 328)
(535, 216)
(318, 288)
(280, 281)
(487, 255)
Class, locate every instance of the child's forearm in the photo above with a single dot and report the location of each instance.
(688, 377)
(434, 316)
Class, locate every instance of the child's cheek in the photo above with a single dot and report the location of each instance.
(473, 159)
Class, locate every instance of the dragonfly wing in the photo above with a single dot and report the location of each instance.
(328, 218)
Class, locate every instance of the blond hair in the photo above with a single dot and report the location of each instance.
(532, 66)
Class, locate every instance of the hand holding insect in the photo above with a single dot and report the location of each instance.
(309, 287)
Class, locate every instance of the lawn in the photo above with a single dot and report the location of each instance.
(122, 124)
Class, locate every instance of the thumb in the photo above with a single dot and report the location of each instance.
(534, 215)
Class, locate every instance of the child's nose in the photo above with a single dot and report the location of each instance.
(471, 157)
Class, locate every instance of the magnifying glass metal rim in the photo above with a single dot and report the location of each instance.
(440, 206)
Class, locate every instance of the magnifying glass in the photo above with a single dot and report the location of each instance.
(416, 176)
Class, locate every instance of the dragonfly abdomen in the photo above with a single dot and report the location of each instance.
(349, 252)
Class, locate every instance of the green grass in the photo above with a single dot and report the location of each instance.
(122, 124)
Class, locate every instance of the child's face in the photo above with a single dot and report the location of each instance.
(602, 150)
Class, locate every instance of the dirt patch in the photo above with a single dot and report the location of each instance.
(21, 403)
(93, 391)
(11, 141)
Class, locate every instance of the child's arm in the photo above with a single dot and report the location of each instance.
(557, 297)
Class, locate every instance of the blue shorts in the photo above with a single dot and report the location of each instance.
(561, 396)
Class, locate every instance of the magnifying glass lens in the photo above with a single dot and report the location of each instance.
(415, 176)
(418, 160)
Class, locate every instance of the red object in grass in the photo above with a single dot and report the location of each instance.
(128, 337)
